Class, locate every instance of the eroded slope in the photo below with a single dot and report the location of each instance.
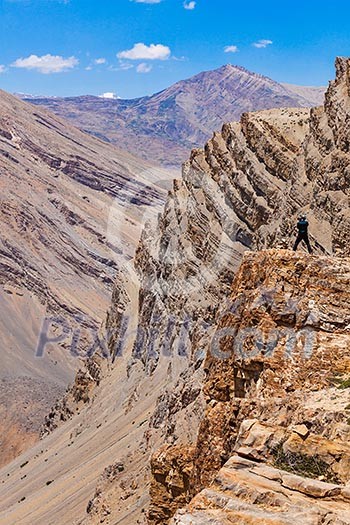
(59, 249)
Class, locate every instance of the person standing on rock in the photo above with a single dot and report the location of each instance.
(303, 233)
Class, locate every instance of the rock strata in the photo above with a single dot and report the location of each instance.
(59, 251)
(275, 373)
(246, 492)
(244, 191)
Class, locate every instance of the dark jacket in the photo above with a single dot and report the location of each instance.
(302, 226)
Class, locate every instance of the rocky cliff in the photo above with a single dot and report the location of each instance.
(165, 126)
(217, 361)
(248, 492)
(243, 191)
(277, 399)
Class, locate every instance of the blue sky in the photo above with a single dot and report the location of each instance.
(138, 47)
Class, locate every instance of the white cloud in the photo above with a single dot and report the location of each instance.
(142, 52)
(231, 49)
(109, 95)
(189, 5)
(124, 66)
(262, 43)
(2, 69)
(99, 61)
(46, 63)
(179, 59)
(144, 68)
(147, 1)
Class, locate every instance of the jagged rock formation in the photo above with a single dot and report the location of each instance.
(243, 191)
(166, 391)
(270, 397)
(283, 334)
(165, 126)
(59, 254)
(170, 489)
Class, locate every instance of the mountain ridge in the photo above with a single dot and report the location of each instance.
(166, 125)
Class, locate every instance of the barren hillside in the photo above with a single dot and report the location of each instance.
(60, 192)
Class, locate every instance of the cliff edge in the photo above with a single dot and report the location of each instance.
(273, 445)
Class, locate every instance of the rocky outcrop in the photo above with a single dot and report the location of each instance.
(291, 341)
(276, 373)
(170, 489)
(245, 191)
(248, 492)
(327, 158)
(165, 126)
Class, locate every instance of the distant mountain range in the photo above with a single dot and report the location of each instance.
(165, 126)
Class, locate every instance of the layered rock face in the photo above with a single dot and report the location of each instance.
(272, 376)
(59, 250)
(276, 387)
(244, 191)
(247, 493)
(327, 158)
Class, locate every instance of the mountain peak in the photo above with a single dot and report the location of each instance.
(234, 69)
(227, 67)
(183, 116)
